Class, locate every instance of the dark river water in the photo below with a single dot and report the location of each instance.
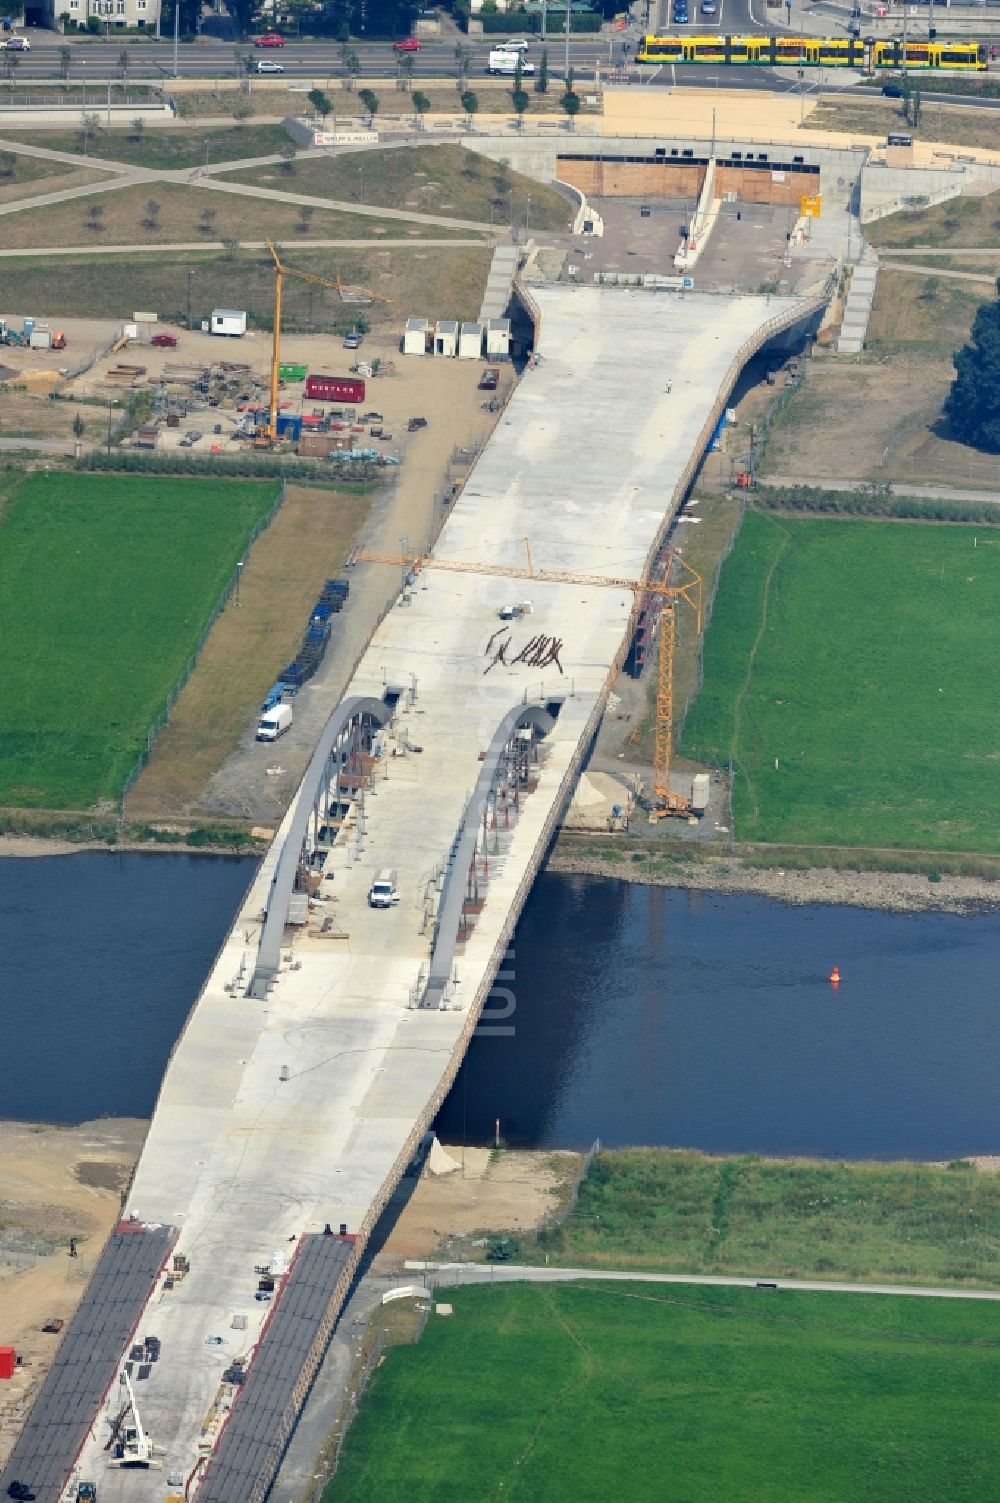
(633, 1014)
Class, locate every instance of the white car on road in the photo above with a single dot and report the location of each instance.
(516, 44)
(267, 66)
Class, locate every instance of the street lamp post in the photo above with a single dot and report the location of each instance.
(190, 274)
(205, 142)
(239, 571)
(361, 190)
(527, 216)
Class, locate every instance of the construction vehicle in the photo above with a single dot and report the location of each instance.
(131, 1446)
(86, 1492)
(645, 593)
(265, 436)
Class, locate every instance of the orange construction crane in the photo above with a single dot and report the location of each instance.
(281, 271)
(686, 587)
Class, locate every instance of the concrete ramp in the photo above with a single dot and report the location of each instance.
(499, 283)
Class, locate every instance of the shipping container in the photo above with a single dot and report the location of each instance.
(289, 426)
(700, 785)
(8, 1361)
(293, 372)
(335, 389)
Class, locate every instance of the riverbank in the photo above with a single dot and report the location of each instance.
(896, 892)
(56, 1183)
(19, 846)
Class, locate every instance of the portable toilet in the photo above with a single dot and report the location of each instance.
(446, 337)
(470, 342)
(498, 339)
(415, 336)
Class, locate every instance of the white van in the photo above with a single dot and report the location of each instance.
(274, 723)
(505, 64)
(383, 892)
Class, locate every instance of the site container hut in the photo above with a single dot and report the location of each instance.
(446, 337)
(498, 339)
(416, 336)
(470, 342)
(289, 426)
(229, 321)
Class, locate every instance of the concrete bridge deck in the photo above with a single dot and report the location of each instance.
(279, 1115)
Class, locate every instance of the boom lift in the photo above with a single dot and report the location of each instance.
(687, 586)
(267, 436)
(137, 1450)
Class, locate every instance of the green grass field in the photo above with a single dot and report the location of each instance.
(685, 1212)
(441, 282)
(171, 149)
(849, 672)
(106, 584)
(445, 180)
(681, 1395)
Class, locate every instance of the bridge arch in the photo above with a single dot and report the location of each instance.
(538, 718)
(350, 724)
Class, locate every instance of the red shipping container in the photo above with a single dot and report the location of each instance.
(335, 389)
(8, 1361)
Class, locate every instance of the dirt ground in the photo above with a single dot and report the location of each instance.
(55, 1183)
(845, 419)
(513, 1191)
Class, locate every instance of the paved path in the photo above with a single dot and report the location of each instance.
(937, 250)
(202, 245)
(898, 488)
(984, 277)
(450, 1274)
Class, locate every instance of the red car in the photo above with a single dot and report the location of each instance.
(270, 39)
(408, 44)
(164, 341)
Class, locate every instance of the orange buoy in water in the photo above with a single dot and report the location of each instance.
(834, 977)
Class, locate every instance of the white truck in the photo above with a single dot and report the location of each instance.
(505, 64)
(274, 723)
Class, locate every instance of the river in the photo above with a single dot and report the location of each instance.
(634, 1014)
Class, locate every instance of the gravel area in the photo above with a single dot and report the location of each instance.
(902, 892)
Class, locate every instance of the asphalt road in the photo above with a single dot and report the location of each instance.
(445, 1275)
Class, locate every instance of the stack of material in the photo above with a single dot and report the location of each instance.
(125, 375)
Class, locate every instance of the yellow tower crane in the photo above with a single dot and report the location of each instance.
(281, 271)
(686, 587)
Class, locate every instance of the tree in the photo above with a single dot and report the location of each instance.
(123, 64)
(463, 56)
(370, 101)
(520, 101)
(95, 213)
(89, 127)
(11, 63)
(306, 212)
(206, 221)
(351, 65)
(79, 426)
(470, 104)
(320, 103)
(421, 103)
(152, 219)
(230, 246)
(542, 80)
(8, 161)
(916, 107)
(973, 404)
(287, 153)
(138, 126)
(65, 58)
(571, 104)
(243, 110)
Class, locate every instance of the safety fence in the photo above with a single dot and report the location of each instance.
(227, 591)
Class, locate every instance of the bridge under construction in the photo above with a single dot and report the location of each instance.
(329, 1030)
